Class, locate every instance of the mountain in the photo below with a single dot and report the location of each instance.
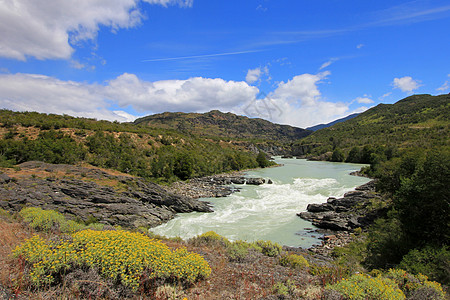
(321, 126)
(223, 125)
(418, 121)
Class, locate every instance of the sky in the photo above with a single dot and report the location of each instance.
(296, 62)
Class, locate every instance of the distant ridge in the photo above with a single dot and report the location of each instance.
(415, 122)
(228, 125)
(321, 126)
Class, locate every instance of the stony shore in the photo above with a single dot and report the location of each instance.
(213, 186)
(339, 217)
(88, 193)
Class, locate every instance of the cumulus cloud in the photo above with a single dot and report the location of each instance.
(31, 92)
(359, 46)
(49, 29)
(298, 102)
(254, 75)
(194, 94)
(300, 89)
(406, 84)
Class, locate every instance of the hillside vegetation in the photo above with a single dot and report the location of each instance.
(419, 121)
(224, 125)
(156, 153)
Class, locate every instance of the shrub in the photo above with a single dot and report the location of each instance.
(431, 261)
(294, 261)
(415, 284)
(365, 287)
(210, 238)
(46, 220)
(268, 248)
(126, 257)
(237, 251)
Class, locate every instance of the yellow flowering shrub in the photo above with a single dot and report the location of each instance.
(410, 283)
(119, 255)
(365, 287)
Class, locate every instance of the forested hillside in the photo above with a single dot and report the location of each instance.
(419, 121)
(160, 154)
(224, 125)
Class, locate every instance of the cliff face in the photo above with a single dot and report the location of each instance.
(90, 193)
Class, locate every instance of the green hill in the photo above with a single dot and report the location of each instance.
(224, 125)
(419, 121)
(156, 153)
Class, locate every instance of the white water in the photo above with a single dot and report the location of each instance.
(268, 211)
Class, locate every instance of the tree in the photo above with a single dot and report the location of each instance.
(423, 200)
(262, 160)
(337, 155)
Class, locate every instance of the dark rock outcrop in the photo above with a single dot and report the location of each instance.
(347, 213)
(80, 194)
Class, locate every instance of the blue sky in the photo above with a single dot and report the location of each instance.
(293, 62)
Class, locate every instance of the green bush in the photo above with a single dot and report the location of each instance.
(238, 251)
(430, 261)
(46, 220)
(294, 261)
(365, 287)
(210, 238)
(268, 248)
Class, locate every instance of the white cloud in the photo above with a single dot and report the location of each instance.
(364, 100)
(297, 102)
(328, 63)
(31, 92)
(182, 3)
(445, 86)
(194, 94)
(254, 75)
(406, 84)
(49, 29)
(359, 46)
(300, 89)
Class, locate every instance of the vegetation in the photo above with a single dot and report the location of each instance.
(216, 124)
(46, 220)
(384, 131)
(395, 284)
(159, 154)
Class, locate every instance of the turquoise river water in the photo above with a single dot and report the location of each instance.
(268, 211)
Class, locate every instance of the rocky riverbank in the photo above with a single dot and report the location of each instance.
(88, 193)
(213, 186)
(337, 218)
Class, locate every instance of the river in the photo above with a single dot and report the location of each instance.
(268, 211)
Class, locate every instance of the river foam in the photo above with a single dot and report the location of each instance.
(268, 211)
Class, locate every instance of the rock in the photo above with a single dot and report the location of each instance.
(269, 181)
(346, 213)
(141, 204)
(319, 207)
(255, 181)
(4, 178)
